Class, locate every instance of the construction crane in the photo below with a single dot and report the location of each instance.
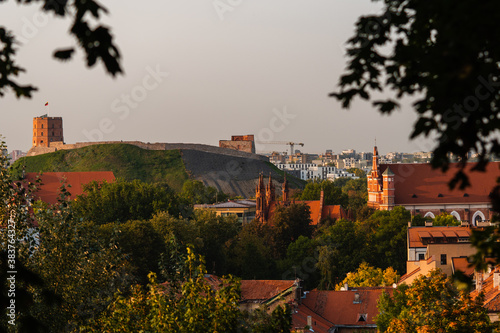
(289, 143)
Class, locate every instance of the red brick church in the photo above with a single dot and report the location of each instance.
(266, 203)
(425, 191)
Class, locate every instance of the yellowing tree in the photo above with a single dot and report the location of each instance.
(369, 276)
(432, 304)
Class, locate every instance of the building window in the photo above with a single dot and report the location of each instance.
(421, 256)
(42, 125)
(42, 133)
(362, 316)
(443, 259)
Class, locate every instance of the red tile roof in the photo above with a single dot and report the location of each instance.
(419, 184)
(51, 182)
(332, 211)
(461, 264)
(341, 308)
(416, 234)
(263, 290)
(491, 294)
(319, 324)
(408, 275)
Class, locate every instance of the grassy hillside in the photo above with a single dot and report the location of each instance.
(126, 161)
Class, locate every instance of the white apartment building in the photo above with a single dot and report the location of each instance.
(309, 171)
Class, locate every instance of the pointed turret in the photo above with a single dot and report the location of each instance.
(260, 200)
(270, 192)
(285, 190)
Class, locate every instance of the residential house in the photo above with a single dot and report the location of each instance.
(243, 209)
(328, 311)
(446, 248)
(269, 294)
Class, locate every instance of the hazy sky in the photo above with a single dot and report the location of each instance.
(196, 73)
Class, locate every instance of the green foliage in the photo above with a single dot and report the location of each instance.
(444, 56)
(92, 37)
(195, 192)
(300, 262)
(77, 265)
(127, 162)
(252, 253)
(289, 223)
(259, 321)
(380, 240)
(19, 241)
(432, 304)
(122, 201)
(369, 276)
(191, 306)
(445, 219)
(333, 194)
(357, 192)
(358, 172)
(142, 244)
(215, 231)
(342, 249)
(388, 238)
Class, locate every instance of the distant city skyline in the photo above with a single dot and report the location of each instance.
(196, 72)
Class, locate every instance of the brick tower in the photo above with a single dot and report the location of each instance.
(374, 183)
(388, 190)
(47, 130)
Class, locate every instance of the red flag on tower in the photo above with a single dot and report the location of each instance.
(46, 103)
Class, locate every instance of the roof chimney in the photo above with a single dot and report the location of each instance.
(496, 279)
(479, 281)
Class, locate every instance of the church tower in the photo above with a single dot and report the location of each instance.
(388, 190)
(270, 192)
(260, 200)
(285, 191)
(374, 182)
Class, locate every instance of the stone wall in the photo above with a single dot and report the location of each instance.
(149, 146)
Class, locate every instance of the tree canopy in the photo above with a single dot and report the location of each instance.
(369, 276)
(431, 304)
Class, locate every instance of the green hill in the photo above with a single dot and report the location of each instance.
(126, 161)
